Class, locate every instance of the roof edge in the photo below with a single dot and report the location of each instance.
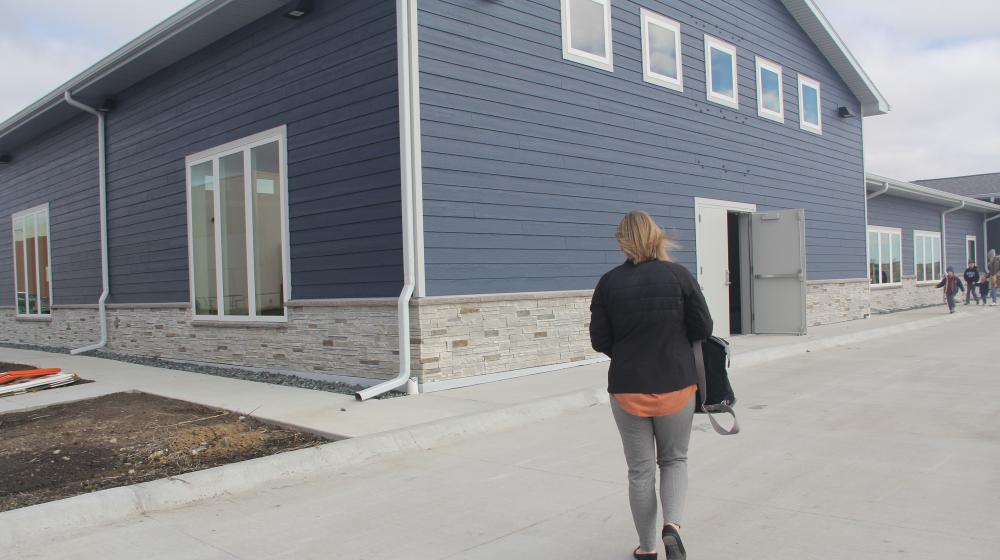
(928, 193)
(157, 34)
(876, 103)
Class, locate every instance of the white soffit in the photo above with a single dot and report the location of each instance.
(818, 28)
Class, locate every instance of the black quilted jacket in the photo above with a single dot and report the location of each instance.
(644, 317)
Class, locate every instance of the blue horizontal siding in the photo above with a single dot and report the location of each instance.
(530, 160)
(910, 215)
(961, 224)
(331, 78)
(58, 168)
(994, 235)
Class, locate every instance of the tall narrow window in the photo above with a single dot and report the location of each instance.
(32, 263)
(970, 248)
(770, 91)
(720, 73)
(927, 256)
(586, 32)
(810, 105)
(661, 51)
(236, 220)
(885, 256)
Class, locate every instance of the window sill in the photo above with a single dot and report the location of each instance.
(886, 286)
(39, 319)
(240, 324)
(724, 101)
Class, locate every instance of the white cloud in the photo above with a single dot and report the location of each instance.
(937, 65)
(47, 42)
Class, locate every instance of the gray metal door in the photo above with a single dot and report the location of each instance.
(778, 260)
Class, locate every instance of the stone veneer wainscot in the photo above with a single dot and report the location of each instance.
(910, 295)
(354, 337)
(836, 301)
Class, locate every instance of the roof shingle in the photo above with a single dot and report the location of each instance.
(974, 186)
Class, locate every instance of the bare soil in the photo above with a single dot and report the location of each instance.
(7, 366)
(125, 438)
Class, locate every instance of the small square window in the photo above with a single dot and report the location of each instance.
(586, 32)
(810, 105)
(661, 51)
(770, 91)
(720, 73)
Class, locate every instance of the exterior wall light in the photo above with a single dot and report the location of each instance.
(299, 9)
(845, 112)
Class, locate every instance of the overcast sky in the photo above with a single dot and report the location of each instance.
(937, 61)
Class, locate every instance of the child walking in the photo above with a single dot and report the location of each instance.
(971, 280)
(993, 268)
(952, 285)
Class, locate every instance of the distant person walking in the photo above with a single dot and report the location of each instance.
(993, 271)
(645, 314)
(952, 285)
(971, 276)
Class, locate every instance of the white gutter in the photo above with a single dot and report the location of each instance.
(406, 44)
(103, 188)
(944, 232)
(880, 192)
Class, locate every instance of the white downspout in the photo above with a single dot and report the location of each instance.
(405, 32)
(103, 188)
(944, 233)
(880, 192)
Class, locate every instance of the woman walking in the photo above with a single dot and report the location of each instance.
(644, 316)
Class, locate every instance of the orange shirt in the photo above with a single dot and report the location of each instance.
(655, 404)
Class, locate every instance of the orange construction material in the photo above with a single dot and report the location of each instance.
(26, 374)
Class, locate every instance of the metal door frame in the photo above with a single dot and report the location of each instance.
(743, 208)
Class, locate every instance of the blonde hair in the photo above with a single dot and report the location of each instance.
(642, 240)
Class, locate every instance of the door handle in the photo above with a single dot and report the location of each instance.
(728, 280)
(797, 275)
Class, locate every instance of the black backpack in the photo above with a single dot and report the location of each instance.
(715, 393)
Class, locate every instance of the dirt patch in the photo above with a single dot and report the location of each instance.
(121, 439)
(7, 366)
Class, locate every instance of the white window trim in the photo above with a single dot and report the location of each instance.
(584, 57)
(933, 235)
(48, 234)
(652, 18)
(764, 64)
(972, 257)
(890, 230)
(808, 126)
(279, 134)
(715, 43)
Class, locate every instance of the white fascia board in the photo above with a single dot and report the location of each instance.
(876, 182)
(826, 39)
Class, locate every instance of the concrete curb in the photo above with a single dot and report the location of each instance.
(116, 504)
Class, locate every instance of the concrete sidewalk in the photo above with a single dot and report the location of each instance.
(340, 416)
(870, 451)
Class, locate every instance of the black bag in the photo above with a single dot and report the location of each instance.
(715, 393)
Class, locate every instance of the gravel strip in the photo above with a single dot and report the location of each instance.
(274, 378)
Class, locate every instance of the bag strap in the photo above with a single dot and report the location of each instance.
(699, 362)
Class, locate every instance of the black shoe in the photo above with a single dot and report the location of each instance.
(672, 541)
(643, 556)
